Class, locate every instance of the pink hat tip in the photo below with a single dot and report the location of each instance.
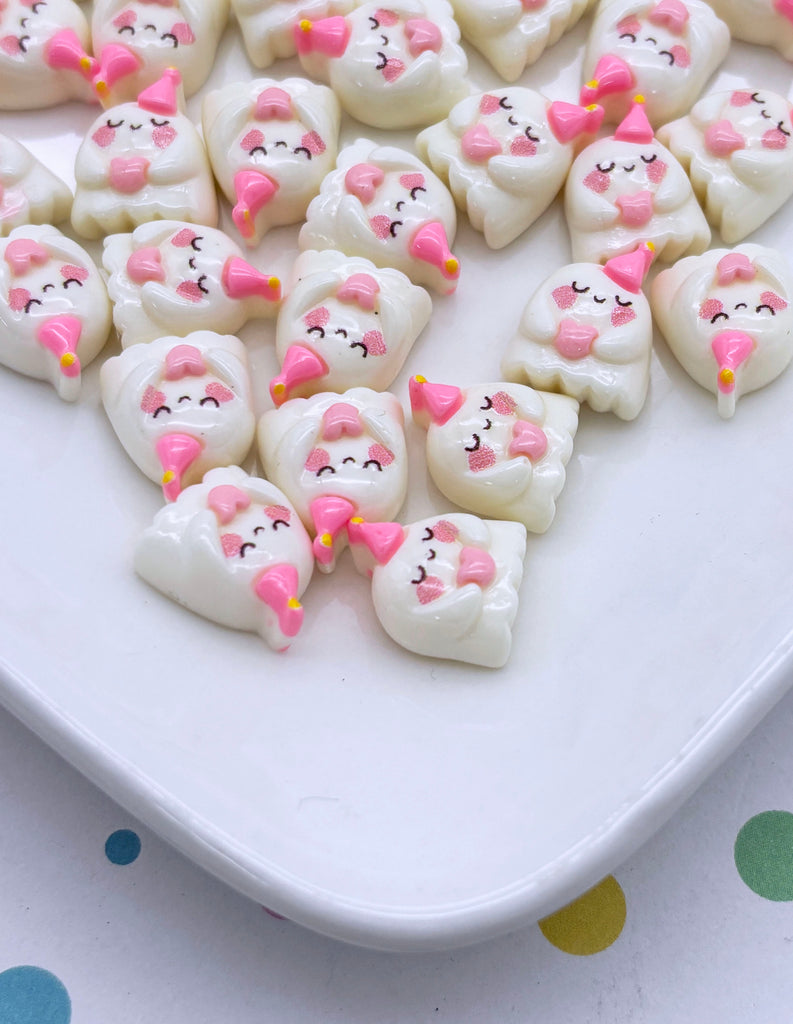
(635, 126)
(163, 96)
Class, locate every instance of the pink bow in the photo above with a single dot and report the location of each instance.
(341, 418)
(671, 13)
(23, 254)
(184, 361)
(735, 264)
(226, 501)
(528, 439)
(274, 104)
(360, 288)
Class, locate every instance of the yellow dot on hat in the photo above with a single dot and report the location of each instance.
(589, 924)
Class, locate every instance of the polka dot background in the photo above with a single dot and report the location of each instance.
(103, 921)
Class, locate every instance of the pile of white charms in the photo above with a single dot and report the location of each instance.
(378, 226)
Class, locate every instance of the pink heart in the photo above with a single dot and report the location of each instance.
(721, 139)
(479, 145)
(423, 35)
(574, 340)
(635, 210)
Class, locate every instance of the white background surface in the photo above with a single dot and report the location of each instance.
(161, 942)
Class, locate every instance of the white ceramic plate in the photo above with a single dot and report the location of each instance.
(370, 794)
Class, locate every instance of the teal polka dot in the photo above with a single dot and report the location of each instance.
(122, 846)
(764, 855)
(31, 995)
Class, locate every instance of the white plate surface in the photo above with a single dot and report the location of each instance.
(373, 795)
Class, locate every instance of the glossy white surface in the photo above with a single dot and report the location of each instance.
(374, 795)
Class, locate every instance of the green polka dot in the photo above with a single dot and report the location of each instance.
(764, 855)
(591, 923)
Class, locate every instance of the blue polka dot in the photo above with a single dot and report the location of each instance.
(31, 995)
(122, 847)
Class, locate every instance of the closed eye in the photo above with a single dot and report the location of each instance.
(488, 403)
(114, 124)
(172, 37)
(649, 159)
(72, 280)
(473, 447)
(503, 103)
(765, 114)
(429, 533)
(764, 305)
(362, 346)
(527, 133)
(669, 54)
(279, 522)
(384, 60)
(301, 149)
(30, 302)
(375, 23)
(392, 228)
(159, 124)
(719, 316)
(606, 170)
(628, 35)
(373, 462)
(161, 408)
(247, 544)
(195, 241)
(741, 305)
(191, 263)
(421, 576)
(325, 469)
(200, 283)
(621, 303)
(783, 130)
(757, 99)
(385, 40)
(183, 398)
(316, 330)
(47, 287)
(348, 459)
(127, 28)
(418, 188)
(580, 291)
(208, 399)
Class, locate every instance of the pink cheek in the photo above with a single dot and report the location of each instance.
(152, 400)
(710, 308)
(317, 317)
(252, 140)
(489, 104)
(104, 136)
(70, 271)
(564, 296)
(219, 392)
(411, 181)
(430, 588)
(184, 238)
(18, 298)
(740, 99)
(381, 454)
(317, 458)
(681, 55)
(656, 171)
(445, 532)
(190, 290)
(523, 146)
(231, 544)
(597, 181)
(621, 315)
(375, 346)
(10, 45)
(381, 225)
(394, 67)
(125, 20)
(163, 135)
(313, 143)
(774, 139)
(483, 458)
(773, 300)
(630, 25)
(504, 404)
(183, 32)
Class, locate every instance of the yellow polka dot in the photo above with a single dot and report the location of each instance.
(589, 924)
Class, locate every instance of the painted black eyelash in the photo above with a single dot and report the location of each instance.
(159, 124)
(621, 303)
(429, 533)
(529, 136)
(475, 445)
(393, 226)
(756, 98)
(23, 41)
(114, 124)
(628, 35)
(360, 344)
(302, 149)
(316, 330)
(764, 305)
(375, 23)
(72, 280)
(418, 188)
(277, 523)
(384, 59)
(488, 403)
(247, 544)
(373, 462)
(200, 284)
(581, 291)
(170, 35)
(161, 408)
(30, 302)
(503, 103)
(606, 170)
(209, 398)
(195, 241)
(719, 316)
(422, 575)
(649, 159)
(127, 28)
(669, 54)
(783, 130)
(325, 469)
